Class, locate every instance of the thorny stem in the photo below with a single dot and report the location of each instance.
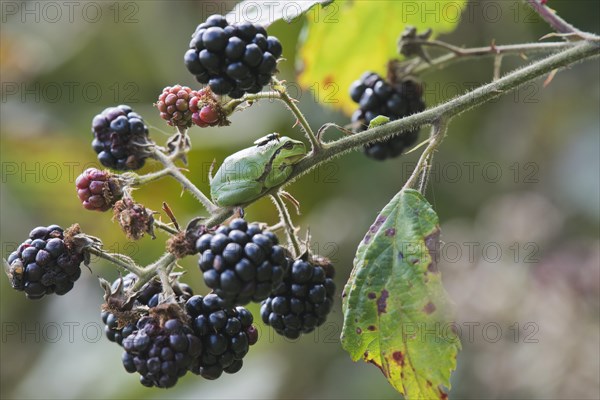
(148, 272)
(438, 132)
(548, 15)
(165, 227)
(284, 216)
(462, 54)
(140, 180)
(185, 182)
(115, 258)
(164, 280)
(291, 103)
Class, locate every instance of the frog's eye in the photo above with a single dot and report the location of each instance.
(288, 146)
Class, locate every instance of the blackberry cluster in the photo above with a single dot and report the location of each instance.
(116, 330)
(232, 59)
(44, 264)
(303, 300)
(161, 352)
(226, 335)
(241, 262)
(182, 106)
(119, 137)
(376, 97)
(98, 190)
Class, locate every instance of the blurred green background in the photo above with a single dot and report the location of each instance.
(515, 185)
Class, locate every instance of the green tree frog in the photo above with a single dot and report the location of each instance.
(246, 175)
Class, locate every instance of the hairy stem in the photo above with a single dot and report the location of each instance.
(463, 54)
(291, 104)
(548, 15)
(150, 271)
(164, 280)
(119, 260)
(140, 180)
(165, 227)
(438, 132)
(185, 182)
(285, 218)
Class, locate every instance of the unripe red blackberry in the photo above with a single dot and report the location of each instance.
(376, 97)
(120, 138)
(226, 334)
(45, 263)
(303, 300)
(98, 189)
(182, 106)
(161, 350)
(241, 262)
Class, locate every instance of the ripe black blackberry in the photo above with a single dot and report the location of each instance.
(45, 263)
(303, 300)
(120, 317)
(241, 262)
(232, 59)
(376, 97)
(161, 349)
(226, 334)
(120, 137)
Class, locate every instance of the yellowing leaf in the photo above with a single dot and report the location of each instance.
(348, 38)
(395, 307)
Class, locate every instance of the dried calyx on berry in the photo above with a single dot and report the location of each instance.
(135, 219)
(226, 335)
(304, 298)
(395, 100)
(162, 348)
(120, 138)
(241, 262)
(233, 59)
(47, 262)
(122, 309)
(98, 189)
(181, 106)
(183, 243)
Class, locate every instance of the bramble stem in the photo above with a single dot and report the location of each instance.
(139, 180)
(438, 132)
(164, 280)
(117, 259)
(165, 227)
(280, 88)
(185, 182)
(548, 15)
(463, 54)
(150, 271)
(285, 218)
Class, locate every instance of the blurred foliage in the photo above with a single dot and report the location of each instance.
(543, 141)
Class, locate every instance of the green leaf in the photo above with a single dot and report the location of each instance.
(378, 120)
(350, 37)
(396, 314)
(266, 12)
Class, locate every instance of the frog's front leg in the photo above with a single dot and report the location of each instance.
(236, 193)
(277, 175)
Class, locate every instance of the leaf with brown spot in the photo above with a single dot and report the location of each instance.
(395, 299)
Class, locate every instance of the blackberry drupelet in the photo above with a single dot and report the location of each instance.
(182, 106)
(226, 334)
(161, 350)
(303, 300)
(119, 138)
(232, 59)
(241, 262)
(376, 97)
(45, 263)
(97, 189)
